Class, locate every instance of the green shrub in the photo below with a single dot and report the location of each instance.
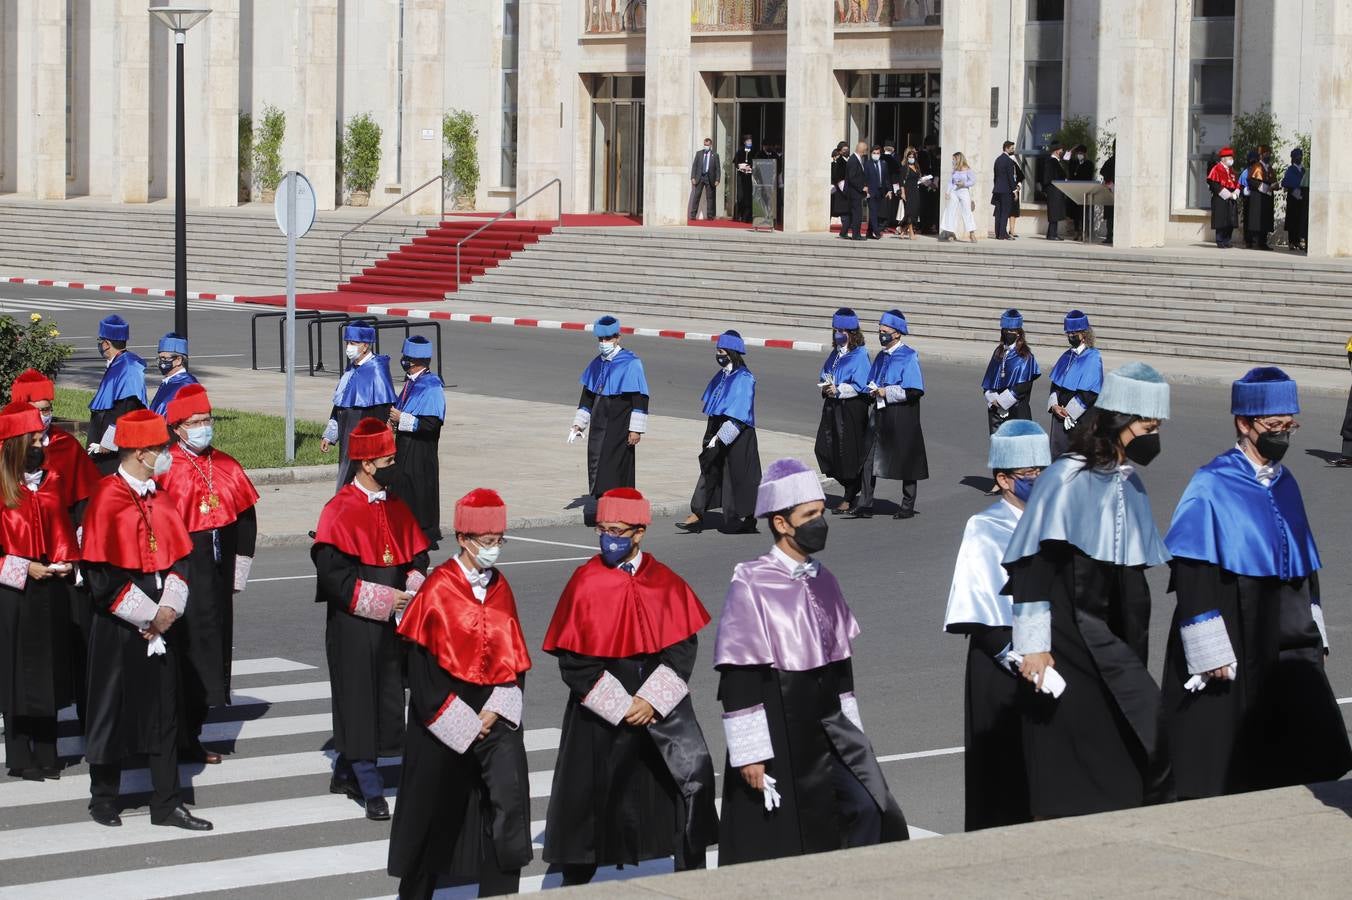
(30, 345)
(267, 152)
(460, 134)
(1249, 131)
(245, 156)
(1075, 131)
(361, 153)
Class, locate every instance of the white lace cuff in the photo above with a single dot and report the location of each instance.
(727, 432)
(174, 594)
(506, 701)
(1005, 399)
(408, 422)
(243, 566)
(638, 421)
(14, 572)
(1033, 627)
(372, 601)
(608, 699)
(894, 393)
(850, 707)
(747, 734)
(133, 605)
(413, 581)
(582, 418)
(331, 431)
(1206, 643)
(664, 689)
(456, 724)
(846, 391)
(1317, 611)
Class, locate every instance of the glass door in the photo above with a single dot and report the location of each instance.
(617, 144)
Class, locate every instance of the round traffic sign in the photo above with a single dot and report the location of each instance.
(305, 203)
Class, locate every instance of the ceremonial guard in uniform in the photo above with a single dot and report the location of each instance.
(614, 405)
(1081, 610)
(370, 557)
(801, 776)
(37, 549)
(1008, 382)
(417, 418)
(215, 499)
(363, 392)
(1076, 380)
(1246, 698)
(135, 558)
(464, 794)
(996, 791)
(121, 390)
(633, 779)
(896, 445)
(729, 459)
(172, 358)
(842, 434)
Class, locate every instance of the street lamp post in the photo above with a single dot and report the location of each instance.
(179, 19)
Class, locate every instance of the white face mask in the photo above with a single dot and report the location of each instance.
(351, 351)
(1227, 162)
(1079, 157)
(911, 160)
(877, 156)
(162, 463)
(198, 437)
(607, 349)
(708, 147)
(486, 557)
(46, 420)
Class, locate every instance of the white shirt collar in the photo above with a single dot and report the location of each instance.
(365, 359)
(478, 578)
(1079, 348)
(172, 375)
(1018, 513)
(893, 347)
(371, 496)
(33, 480)
(413, 376)
(635, 562)
(141, 488)
(793, 566)
(1264, 473)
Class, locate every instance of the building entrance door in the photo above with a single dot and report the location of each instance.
(745, 105)
(617, 144)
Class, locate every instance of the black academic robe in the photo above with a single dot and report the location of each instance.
(1022, 408)
(458, 810)
(610, 458)
(743, 179)
(419, 483)
(100, 420)
(729, 475)
(994, 769)
(1098, 747)
(1056, 428)
(365, 656)
(842, 438)
(1224, 213)
(623, 794)
(35, 662)
(811, 736)
(1054, 171)
(899, 440)
(1297, 216)
(929, 208)
(347, 418)
(1278, 722)
(840, 204)
(914, 196)
(888, 217)
(1259, 207)
(1346, 431)
(206, 631)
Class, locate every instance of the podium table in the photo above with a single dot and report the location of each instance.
(1087, 194)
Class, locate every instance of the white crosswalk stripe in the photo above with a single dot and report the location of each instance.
(110, 301)
(273, 783)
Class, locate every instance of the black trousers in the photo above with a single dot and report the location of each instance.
(867, 482)
(856, 213)
(1004, 208)
(30, 742)
(875, 206)
(1053, 227)
(105, 780)
(493, 881)
(583, 874)
(710, 190)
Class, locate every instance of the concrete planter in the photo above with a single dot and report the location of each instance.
(268, 195)
(359, 198)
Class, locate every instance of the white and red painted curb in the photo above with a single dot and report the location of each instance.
(118, 289)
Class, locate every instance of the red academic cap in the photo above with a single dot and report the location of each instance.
(19, 418)
(191, 400)
(31, 386)
(1226, 151)
(481, 511)
(371, 439)
(624, 505)
(139, 429)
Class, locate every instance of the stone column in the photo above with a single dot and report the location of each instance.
(46, 35)
(808, 118)
(424, 101)
(131, 114)
(667, 145)
(539, 102)
(966, 91)
(313, 116)
(1146, 42)
(1330, 182)
(215, 154)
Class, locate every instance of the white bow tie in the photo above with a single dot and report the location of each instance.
(378, 495)
(1265, 474)
(805, 570)
(32, 480)
(480, 578)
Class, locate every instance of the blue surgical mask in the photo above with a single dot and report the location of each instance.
(606, 348)
(615, 549)
(1023, 488)
(198, 437)
(747, 145)
(842, 338)
(486, 557)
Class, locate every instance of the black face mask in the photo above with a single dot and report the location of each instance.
(1143, 448)
(166, 366)
(385, 477)
(722, 360)
(406, 364)
(1074, 340)
(1272, 445)
(811, 536)
(886, 338)
(33, 459)
(1009, 337)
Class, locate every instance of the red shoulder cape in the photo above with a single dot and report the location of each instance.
(39, 528)
(188, 489)
(364, 529)
(608, 613)
(1226, 178)
(66, 457)
(476, 642)
(115, 531)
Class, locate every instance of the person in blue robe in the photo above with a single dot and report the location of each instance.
(1008, 382)
(729, 459)
(172, 358)
(614, 407)
(364, 391)
(121, 390)
(417, 417)
(1296, 183)
(896, 442)
(1081, 611)
(993, 765)
(1247, 703)
(842, 434)
(1076, 380)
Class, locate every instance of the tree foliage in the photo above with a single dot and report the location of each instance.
(267, 151)
(30, 345)
(460, 135)
(361, 152)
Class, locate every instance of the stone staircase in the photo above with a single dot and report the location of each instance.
(1192, 302)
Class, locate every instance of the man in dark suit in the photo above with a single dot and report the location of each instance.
(877, 174)
(929, 162)
(704, 172)
(1006, 183)
(741, 164)
(856, 188)
(1053, 172)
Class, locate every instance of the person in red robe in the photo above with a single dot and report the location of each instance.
(216, 500)
(633, 779)
(37, 547)
(370, 557)
(464, 793)
(135, 558)
(1224, 186)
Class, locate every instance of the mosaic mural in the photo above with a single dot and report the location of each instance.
(738, 15)
(888, 13)
(616, 16)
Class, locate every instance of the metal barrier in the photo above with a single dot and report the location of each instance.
(314, 337)
(342, 263)
(511, 209)
(280, 315)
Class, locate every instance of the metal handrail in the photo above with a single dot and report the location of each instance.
(371, 218)
(554, 182)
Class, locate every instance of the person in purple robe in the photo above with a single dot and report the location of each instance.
(801, 776)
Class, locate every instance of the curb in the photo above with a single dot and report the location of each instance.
(118, 289)
(291, 475)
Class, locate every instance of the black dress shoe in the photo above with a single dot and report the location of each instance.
(181, 818)
(860, 512)
(690, 527)
(199, 754)
(904, 514)
(347, 787)
(377, 810)
(50, 773)
(105, 814)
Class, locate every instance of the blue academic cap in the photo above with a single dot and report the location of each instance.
(845, 319)
(606, 326)
(173, 343)
(1076, 321)
(417, 347)
(1137, 390)
(114, 328)
(1264, 391)
(360, 333)
(1019, 444)
(895, 318)
(1011, 318)
(731, 340)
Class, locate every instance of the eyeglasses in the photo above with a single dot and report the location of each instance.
(1278, 426)
(204, 420)
(487, 542)
(1026, 473)
(617, 532)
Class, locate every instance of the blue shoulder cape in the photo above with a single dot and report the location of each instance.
(621, 374)
(168, 390)
(426, 397)
(848, 368)
(1079, 371)
(124, 377)
(365, 385)
(1226, 517)
(900, 367)
(1008, 369)
(1106, 515)
(732, 395)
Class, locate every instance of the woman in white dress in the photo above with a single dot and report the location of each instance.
(960, 204)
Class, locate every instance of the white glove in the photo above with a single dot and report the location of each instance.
(1297, 195)
(156, 646)
(93, 449)
(990, 398)
(1052, 682)
(573, 434)
(772, 798)
(1199, 682)
(713, 442)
